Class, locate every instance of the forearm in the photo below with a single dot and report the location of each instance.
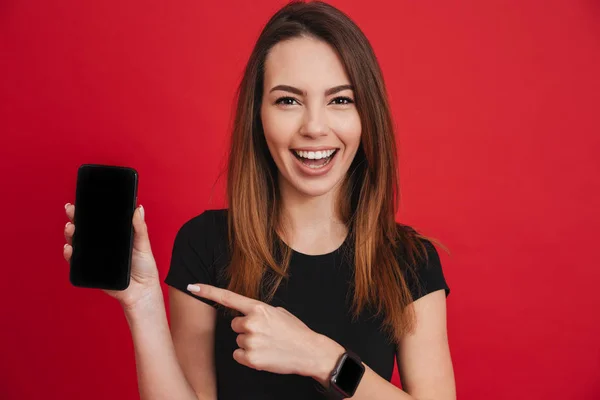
(159, 374)
(372, 386)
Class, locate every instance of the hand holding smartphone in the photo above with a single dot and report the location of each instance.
(107, 237)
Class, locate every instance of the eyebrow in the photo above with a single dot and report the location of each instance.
(328, 92)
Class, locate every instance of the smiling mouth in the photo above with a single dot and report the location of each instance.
(315, 159)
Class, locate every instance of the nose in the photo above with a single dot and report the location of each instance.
(314, 123)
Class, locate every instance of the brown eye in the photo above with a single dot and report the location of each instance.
(286, 101)
(342, 100)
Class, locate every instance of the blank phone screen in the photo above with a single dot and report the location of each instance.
(102, 243)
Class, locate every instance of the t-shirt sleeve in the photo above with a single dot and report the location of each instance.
(429, 274)
(192, 260)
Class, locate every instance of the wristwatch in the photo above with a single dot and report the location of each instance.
(346, 376)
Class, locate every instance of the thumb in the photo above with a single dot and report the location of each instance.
(141, 241)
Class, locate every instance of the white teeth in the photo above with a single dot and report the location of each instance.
(318, 166)
(315, 155)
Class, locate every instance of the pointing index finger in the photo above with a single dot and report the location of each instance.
(227, 298)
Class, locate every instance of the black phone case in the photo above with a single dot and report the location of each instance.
(125, 280)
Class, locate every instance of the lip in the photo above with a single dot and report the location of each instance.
(315, 172)
(320, 148)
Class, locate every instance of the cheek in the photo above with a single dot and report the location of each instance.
(278, 129)
(348, 128)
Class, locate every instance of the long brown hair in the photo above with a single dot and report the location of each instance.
(369, 194)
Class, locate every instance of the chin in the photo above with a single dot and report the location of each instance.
(314, 189)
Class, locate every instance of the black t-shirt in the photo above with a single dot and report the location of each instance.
(316, 293)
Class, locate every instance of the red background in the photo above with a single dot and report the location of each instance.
(497, 108)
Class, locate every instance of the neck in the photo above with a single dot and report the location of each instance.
(310, 224)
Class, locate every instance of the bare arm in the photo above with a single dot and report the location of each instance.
(274, 340)
(160, 373)
(193, 332)
(163, 358)
(424, 359)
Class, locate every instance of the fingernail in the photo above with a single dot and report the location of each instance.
(65, 246)
(67, 224)
(67, 205)
(142, 211)
(193, 288)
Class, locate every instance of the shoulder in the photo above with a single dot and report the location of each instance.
(200, 250)
(206, 222)
(420, 261)
(206, 234)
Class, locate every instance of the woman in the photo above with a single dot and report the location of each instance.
(306, 279)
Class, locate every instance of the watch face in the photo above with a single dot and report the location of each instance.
(349, 375)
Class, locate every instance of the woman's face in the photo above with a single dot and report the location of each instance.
(310, 121)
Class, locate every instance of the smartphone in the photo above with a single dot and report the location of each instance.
(105, 200)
